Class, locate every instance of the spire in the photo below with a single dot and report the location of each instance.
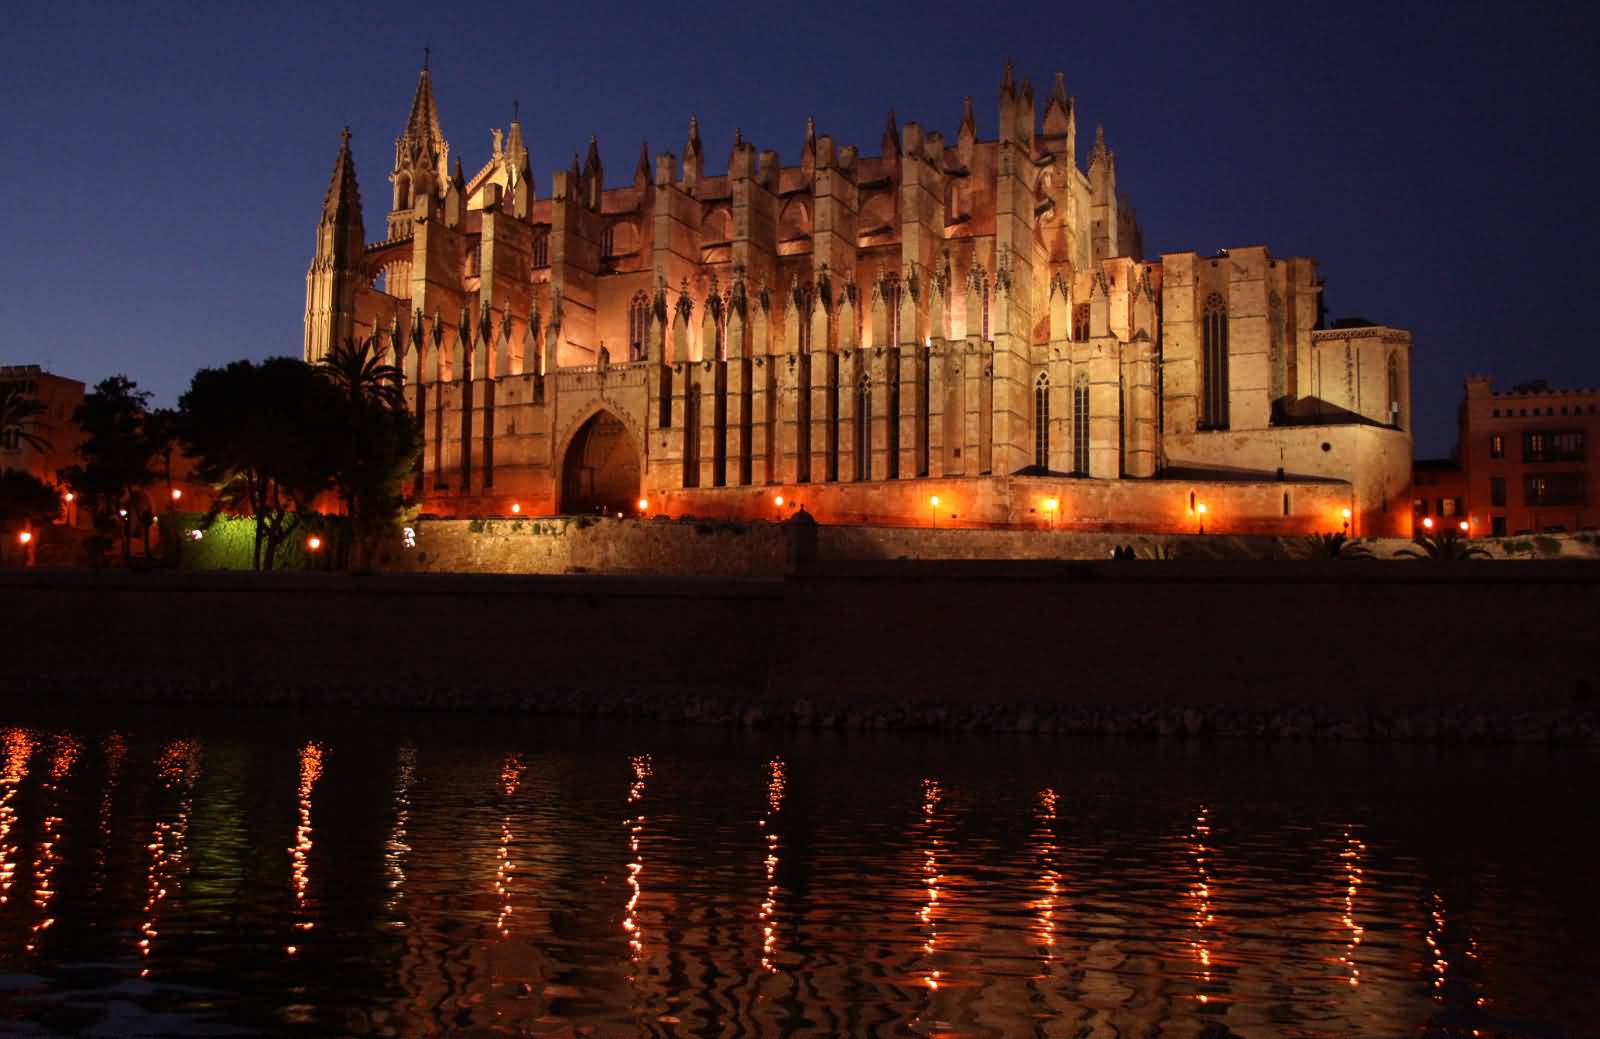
(423, 122)
(343, 200)
(1007, 88)
(421, 155)
(593, 175)
(1058, 92)
(641, 172)
(591, 161)
(808, 150)
(692, 147)
(1099, 140)
(969, 125)
(1058, 110)
(891, 138)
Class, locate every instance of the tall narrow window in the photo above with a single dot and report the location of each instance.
(986, 308)
(1214, 363)
(1041, 421)
(802, 416)
(691, 436)
(665, 407)
(1080, 425)
(864, 429)
(891, 306)
(892, 417)
(541, 250)
(638, 326)
(1394, 391)
(802, 304)
(923, 379)
(608, 242)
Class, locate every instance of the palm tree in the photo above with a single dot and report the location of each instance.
(1445, 546)
(20, 416)
(1336, 545)
(360, 372)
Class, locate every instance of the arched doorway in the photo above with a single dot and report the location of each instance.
(601, 470)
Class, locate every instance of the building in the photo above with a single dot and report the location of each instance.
(60, 397)
(969, 321)
(1524, 457)
(1439, 488)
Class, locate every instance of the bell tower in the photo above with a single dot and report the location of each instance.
(335, 267)
(421, 159)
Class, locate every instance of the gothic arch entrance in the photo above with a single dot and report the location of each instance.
(600, 472)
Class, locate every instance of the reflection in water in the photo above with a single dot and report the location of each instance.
(63, 753)
(395, 849)
(1049, 877)
(635, 825)
(18, 749)
(1012, 895)
(115, 751)
(1200, 895)
(510, 775)
(1354, 859)
(178, 768)
(311, 756)
(932, 793)
(769, 904)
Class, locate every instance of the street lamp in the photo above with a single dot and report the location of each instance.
(25, 537)
(1200, 512)
(1465, 526)
(1427, 522)
(516, 508)
(177, 493)
(314, 543)
(1050, 507)
(933, 509)
(777, 499)
(644, 505)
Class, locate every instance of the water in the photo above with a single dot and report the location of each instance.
(303, 874)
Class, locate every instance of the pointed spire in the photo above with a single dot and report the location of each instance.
(1099, 140)
(1059, 91)
(1007, 86)
(423, 122)
(641, 172)
(343, 200)
(969, 125)
(459, 179)
(891, 138)
(591, 161)
(575, 171)
(692, 147)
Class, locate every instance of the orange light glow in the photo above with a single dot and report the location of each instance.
(1050, 505)
(314, 543)
(1201, 508)
(1345, 513)
(934, 501)
(70, 496)
(516, 506)
(25, 537)
(1464, 526)
(644, 504)
(177, 493)
(1428, 522)
(777, 499)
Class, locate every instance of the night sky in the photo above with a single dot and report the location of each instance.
(166, 163)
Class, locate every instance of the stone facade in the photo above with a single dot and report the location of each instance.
(954, 314)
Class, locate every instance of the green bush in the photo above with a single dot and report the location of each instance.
(229, 542)
(1547, 546)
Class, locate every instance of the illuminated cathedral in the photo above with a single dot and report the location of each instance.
(970, 319)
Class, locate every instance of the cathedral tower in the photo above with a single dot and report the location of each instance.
(334, 276)
(421, 159)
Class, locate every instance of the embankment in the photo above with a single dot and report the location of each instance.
(1480, 650)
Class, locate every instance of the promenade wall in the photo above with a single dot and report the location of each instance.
(1390, 648)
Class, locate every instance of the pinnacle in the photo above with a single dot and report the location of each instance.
(343, 192)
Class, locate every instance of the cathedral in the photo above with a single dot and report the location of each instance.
(958, 331)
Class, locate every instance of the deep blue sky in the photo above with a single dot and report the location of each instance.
(166, 163)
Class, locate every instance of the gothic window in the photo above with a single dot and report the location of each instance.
(691, 436)
(541, 250)
(1080, 425)
(1041, 421)
(986, 308)
(608, 242)
(638, 326)
(864, 429)
(1080, 323)
(666, 397)
(891, 306)
(402, 192)
(802, 302)
(1394, 390)
(1214, 363)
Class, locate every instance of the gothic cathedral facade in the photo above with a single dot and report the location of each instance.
(970, 322)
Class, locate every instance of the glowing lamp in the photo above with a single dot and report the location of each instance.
(516, 506)
(777, 499)
(314, 543)
(1050, 504)
(177, 492)
(197, 534)
(25, 537)
(1428, 522)
(123, 513)
(1345, 513)
(70, 496)
(1463, 526)
(644, 504)
(1201, 508)
(934, 501)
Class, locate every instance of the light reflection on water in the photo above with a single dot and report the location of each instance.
(442, 880)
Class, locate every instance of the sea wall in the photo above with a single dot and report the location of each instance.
(566, 545)
(1480, 650)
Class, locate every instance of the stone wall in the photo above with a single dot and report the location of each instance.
(1478, 650)
(729, 548)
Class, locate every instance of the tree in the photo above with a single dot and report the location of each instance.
(21, 417)
(116, 455)
(1337, 545)
(379, 448)
(1443, 546)
(268, 437)
(25, 502)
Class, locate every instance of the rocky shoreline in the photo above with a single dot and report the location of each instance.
(1448, 724)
